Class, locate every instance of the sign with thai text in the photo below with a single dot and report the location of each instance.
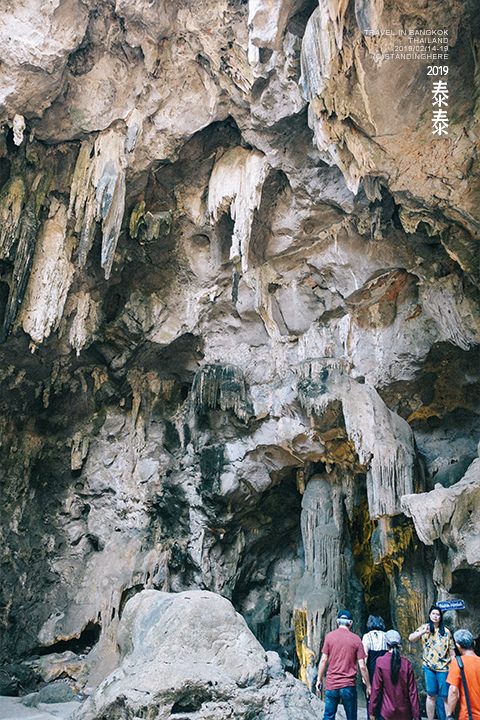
(451, 604)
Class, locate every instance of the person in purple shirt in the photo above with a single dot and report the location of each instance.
(394, 688)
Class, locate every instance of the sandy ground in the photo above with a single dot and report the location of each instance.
(12, 709)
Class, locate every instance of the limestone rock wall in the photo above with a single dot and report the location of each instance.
(239, 296)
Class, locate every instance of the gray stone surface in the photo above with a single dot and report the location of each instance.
(192, 653)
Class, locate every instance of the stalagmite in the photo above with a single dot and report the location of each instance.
(322, 587)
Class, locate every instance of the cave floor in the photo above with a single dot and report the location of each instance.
(11, 708)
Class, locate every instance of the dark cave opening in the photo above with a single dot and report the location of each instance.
(259, 595)
(465, 584)
(373, 577)
(465, 581)
(79, 645)
(190, 702)
(272, 550)
(4, 291)
(5, 168)
(126, 595)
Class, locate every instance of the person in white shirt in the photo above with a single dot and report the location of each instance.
(374, 642)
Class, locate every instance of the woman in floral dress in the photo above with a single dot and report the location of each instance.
(438, 651)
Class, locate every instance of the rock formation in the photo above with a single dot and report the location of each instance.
(240, 327)
(190, 654)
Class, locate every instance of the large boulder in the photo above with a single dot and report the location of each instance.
(192, 653)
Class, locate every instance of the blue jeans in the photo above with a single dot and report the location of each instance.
(348, 696)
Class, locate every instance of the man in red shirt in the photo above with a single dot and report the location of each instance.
(471, 664)
(342, 650)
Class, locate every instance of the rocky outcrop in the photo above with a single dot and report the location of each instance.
(191, 653)
(239, 294)
(449, 514)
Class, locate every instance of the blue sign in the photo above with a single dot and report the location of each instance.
(451, 604)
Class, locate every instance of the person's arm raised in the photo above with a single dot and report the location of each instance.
(422, 630)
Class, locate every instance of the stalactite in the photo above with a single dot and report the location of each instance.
(18, 129)
(79, 451)
(81, 200)
(337, 140)
(319, 48)
(146, 227)
(368, 14)
(27, 237)
(442, 301)
(12, 199)
(382, 439)
(267, 21)
(134, 129)
(85, 322)
(98, 194)
(22, 267)
(313, 383)
(221, 386)
(236, 186)
(327, 560)
(337, 10)
(51, 276)
(321, 537)
(146, 387)
(447, 513)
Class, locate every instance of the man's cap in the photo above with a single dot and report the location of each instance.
(344, 614)
(392, 637)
